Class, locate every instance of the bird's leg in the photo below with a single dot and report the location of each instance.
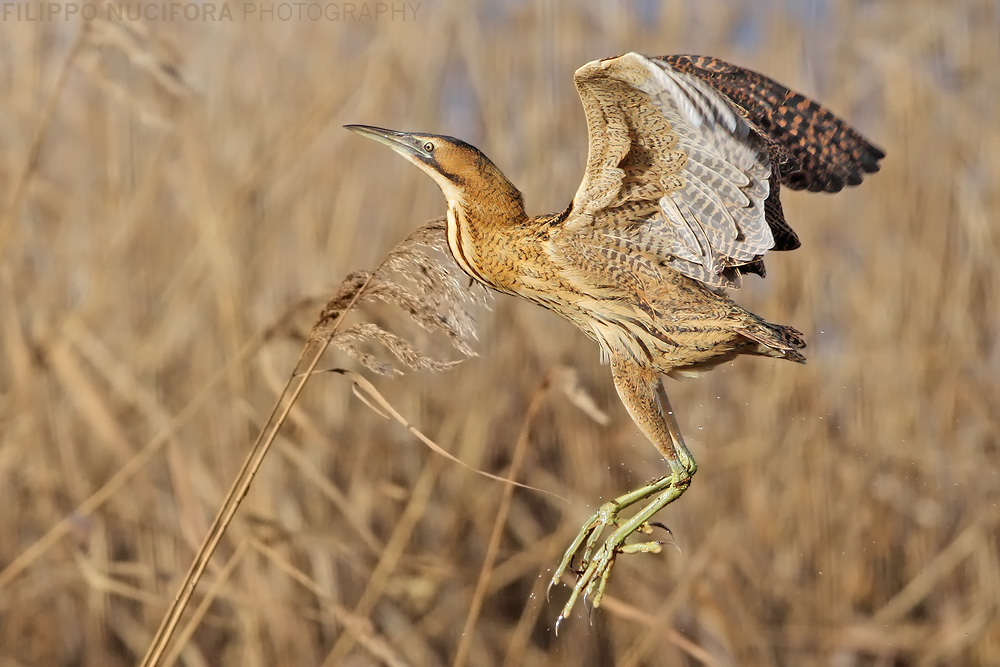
(642, 392)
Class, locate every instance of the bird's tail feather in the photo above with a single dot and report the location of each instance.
(775, 340)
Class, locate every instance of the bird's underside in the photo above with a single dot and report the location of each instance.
(680, 197)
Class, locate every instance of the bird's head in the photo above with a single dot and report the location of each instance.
(461, 170)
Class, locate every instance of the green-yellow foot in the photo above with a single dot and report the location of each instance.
(595, 566)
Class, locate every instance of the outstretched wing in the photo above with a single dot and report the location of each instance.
(686, 156)
(811, 147)
(674, 173)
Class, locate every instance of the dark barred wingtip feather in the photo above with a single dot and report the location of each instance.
(815, 150)
(785, 237)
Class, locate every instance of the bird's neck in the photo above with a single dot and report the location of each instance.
(492, 201)
(480, 220)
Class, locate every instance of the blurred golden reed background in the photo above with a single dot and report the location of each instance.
(178, 200)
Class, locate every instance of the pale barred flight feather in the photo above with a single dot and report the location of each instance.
(695, 100)
(666, 136)
(720, 155)
(698, 101)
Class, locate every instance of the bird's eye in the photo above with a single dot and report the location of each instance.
(428, 146)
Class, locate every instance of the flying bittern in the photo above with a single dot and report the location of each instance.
(679, 199)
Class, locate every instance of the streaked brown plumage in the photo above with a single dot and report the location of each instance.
(680, 198)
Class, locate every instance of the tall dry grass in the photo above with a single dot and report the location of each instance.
(178, 201)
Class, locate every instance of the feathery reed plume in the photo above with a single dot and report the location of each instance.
(416, 277)
(420, 277)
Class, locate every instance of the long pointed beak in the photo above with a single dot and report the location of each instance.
(401, 142)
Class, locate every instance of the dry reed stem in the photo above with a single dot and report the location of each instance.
(201, 610)
(357, 626)
(479, 595)
(390, 556)
(328, 330)
(374, 400)
(658, 620)
(244, 478)
(519, 638)
(30, 163)
(113, 485)
(161, 640)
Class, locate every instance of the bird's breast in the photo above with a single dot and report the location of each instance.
(462, 242)
(508, 258)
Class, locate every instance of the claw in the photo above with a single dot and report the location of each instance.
(596, 561)
(663, 526)
(671, 541)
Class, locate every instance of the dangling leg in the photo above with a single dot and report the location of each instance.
(641, 390)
